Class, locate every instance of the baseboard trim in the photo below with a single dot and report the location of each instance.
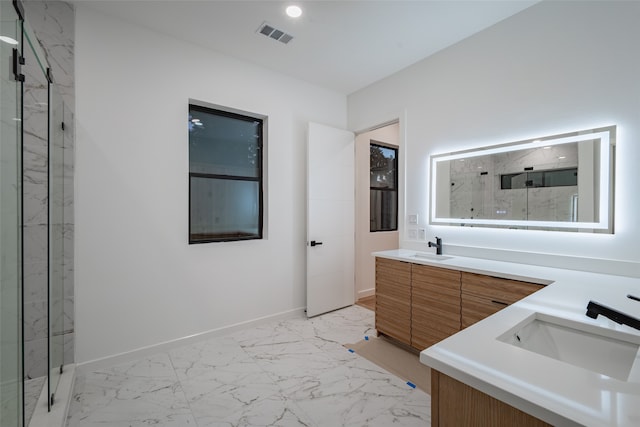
(146, 351)
(366, 293)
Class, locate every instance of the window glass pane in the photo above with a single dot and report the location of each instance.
(225, 175)
(513, 181)
(223, 145)
(224, 209)
(383, 167)
(384, 210)
(383, 194)
(560, 178)
(536, 179)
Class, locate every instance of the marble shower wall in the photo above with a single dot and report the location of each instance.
(476, 191)
(52, 23)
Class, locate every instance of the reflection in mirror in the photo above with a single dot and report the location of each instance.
(560, 182)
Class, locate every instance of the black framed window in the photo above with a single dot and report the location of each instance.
(536, 179)
(225, 175)
(383, 188)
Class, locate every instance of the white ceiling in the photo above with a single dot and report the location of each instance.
(340, 45)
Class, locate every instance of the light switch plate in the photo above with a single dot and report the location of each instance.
(412, 233)
(413, 219)
(421, 234)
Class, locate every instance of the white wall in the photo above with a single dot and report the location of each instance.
(366, 241)
(555, 67)
(138, 282)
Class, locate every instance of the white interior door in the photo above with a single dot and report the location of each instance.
(330, 219)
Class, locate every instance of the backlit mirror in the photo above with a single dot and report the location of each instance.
(560, 182)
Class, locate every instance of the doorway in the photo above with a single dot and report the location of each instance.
(366, 240)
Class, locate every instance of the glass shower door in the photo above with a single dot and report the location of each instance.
(10, 223)
(35, 217)
(56, 240)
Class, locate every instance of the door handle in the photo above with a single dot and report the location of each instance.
(314, 243)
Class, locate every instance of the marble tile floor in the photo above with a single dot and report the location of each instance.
(294, 372)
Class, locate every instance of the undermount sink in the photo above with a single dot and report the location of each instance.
(430, 257)
(600, 350)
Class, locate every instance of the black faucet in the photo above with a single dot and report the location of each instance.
(594, 308)
(437, 245)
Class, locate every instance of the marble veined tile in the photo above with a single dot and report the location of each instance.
(228, 393)
(268, 334)
(344, 326)
(35, 358)
(399, 415)
(202, 359)
(274, 411)
(360, 394)
(141, 393)
(294, 372)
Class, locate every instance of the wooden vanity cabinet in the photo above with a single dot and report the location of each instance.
(454, 403)
(420, 305)
(435, 304)
(393, 299)
(481, 295)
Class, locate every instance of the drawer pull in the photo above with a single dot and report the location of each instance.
(499, 302)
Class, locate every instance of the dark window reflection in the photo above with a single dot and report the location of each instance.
(383, 188)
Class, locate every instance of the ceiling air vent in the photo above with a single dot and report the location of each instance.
(274, 33)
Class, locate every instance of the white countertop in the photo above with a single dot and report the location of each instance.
(554, 391)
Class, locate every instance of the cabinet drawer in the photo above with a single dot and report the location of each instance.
(427, 337)
(475, 308)
(434, 321)
(400, 308)
(446, 282)
(425, 301)
(393, 318)
(495, 288)
(393, 277)
(393, 269)
(435, 305)
(393, 299)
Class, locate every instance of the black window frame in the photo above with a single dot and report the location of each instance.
(538, 179)
(259, 179)
(373, 143)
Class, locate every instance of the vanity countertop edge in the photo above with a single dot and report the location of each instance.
(556, 392)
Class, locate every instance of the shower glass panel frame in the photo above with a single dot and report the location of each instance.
(56, 240)
(35, 112)
(11, 327)
(43, 189)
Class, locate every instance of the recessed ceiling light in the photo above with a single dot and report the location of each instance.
(10, 40)
(294, 11)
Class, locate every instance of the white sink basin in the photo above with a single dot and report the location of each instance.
(600, 350)
(430, 257)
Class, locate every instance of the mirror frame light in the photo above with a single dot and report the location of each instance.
(607, 137)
